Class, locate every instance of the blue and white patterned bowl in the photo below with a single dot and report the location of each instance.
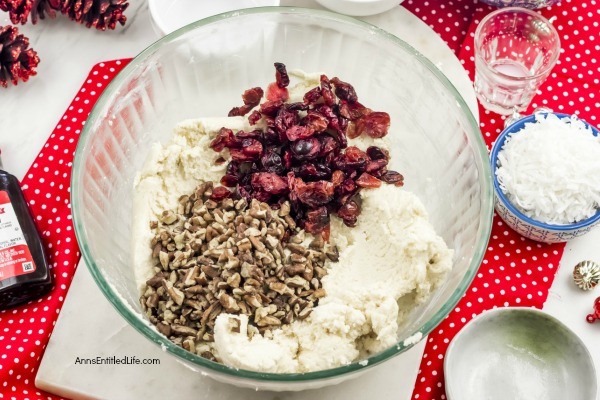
(520, 222)
(533, 4)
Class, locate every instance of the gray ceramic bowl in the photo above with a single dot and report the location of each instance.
(518, 353)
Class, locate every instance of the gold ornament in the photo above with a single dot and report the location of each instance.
(586, 274)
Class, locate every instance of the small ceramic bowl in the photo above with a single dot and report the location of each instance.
(359, 8)
(514, 218)
(168, 16)
(518, 353)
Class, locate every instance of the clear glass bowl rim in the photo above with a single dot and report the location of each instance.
(142, 326)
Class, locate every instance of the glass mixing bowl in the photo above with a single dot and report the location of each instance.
(202, 69)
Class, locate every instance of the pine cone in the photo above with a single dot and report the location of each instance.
(16, 60)
(19, 10)
(101, 14)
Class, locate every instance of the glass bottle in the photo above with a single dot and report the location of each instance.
(24, 269)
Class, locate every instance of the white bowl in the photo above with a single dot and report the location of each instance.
(168, 16)
(518, 353)
(359, 8)
(517, 220)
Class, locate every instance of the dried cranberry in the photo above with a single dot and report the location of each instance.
(270, 108)
(238, 155)
(316, 220)
(393, 177)
(252, 96)
(337, 178)
(287, 159)
(348, 186)
(254, 117)
(376, 165)
(298, 106)
(349, 213)
(224, 138)
(252, 147)
(342, 199)
(256, 134)
(312, 96)
(276, 93)
(270, 136)
(328, 145)
(323, 171)
(354, 154)
(377, 153)
(239, 111)
(375, 124)
(229, 180)
(305, 159)
(271, 162)
(306, 149)
(219, 193)
(313, 171)
(326, 92)
(314, 194)
(315, 121)
(261, 196)
(298, 132)
(353, 111)
(233, 168)
(354, 158)
(281, 75)
(334, 124)
(343, 124)
(243, 192)
(220, 161)
(351, 132)
(250, 151)
(344, 90)
(367, 180)
(285, 119)
(269, 182)
(379, 173)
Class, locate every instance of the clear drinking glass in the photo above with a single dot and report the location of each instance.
(515, 50)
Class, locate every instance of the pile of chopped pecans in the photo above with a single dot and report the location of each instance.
(224, 256)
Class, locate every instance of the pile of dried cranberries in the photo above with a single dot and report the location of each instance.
(302, 154)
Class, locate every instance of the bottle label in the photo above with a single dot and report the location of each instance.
(15, 257)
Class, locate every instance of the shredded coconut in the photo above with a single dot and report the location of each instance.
(550, 170)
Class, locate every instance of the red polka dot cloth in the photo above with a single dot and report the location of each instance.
(25, 330)
(515, 271)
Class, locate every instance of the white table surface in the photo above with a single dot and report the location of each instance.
(29, 112)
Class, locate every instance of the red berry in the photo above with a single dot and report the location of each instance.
(281, 76)
(219, 193)
(252, 96)
(375, 124)
(298, 132)
(269, 182)
(367, 180)
(344, 90)
(276, 93)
